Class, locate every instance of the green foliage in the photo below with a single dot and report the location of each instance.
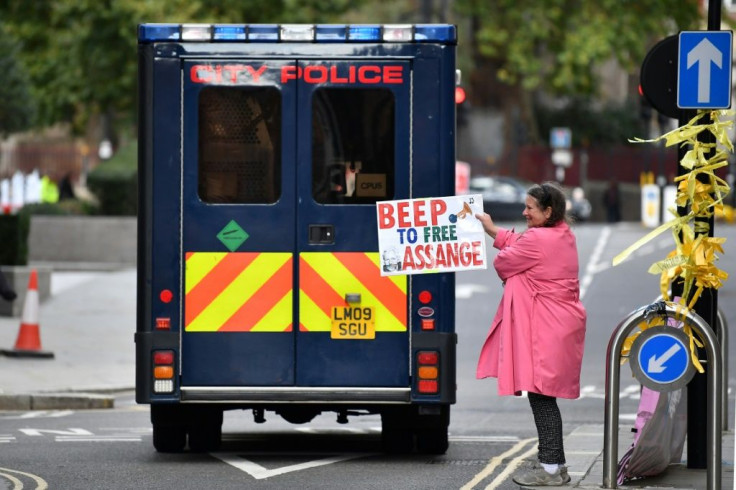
(558, 44)
(14, 237)
(610, 125)
(115, 183)
(17, 108)
(81, 55)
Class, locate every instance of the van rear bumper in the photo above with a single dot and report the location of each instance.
(258, 394)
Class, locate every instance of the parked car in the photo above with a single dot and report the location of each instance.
(503, 197)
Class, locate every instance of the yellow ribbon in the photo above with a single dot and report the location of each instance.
(693, 259)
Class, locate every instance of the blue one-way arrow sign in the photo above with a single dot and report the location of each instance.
(704, 70)
(660, 358)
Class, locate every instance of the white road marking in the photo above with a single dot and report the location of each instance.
(465, 291)
(259, 472)
(68, 432)
(593, 266)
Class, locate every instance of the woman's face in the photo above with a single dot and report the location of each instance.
(535, 216)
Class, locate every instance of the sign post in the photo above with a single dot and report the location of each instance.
(703, 65)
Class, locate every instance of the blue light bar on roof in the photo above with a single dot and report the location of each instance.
(159, 32)
(435, 33)
(263, 32)
(229, 32)
(393, 33)
(331, 33)
(364, 33)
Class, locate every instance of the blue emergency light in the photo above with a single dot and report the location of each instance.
(443, 33)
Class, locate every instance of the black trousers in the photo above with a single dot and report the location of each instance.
(548, 420)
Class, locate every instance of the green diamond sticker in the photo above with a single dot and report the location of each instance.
(232, 236)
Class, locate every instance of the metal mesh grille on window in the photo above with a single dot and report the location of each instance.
(237, 157)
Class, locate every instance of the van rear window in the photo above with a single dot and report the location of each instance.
(240, 145)
(352, 145)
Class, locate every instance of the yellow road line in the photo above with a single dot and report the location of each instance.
(510, 469)
(42, 485)
(495, 461)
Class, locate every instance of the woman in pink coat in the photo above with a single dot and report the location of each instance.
(536, 340)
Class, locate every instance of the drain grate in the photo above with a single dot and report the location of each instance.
(459, 462)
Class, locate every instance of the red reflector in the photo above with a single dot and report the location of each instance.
(163, 357)
(427, 323)
(166, 296)
(425, 297)
(427, 386)
(163, 323)
(428, 357)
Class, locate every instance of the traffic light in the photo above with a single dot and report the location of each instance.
(459, 95)
(460, 106)
(645, 108)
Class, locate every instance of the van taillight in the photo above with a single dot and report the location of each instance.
(425, 297)
(428, 372)
(163, 323)
(426, 310)
(163, 371)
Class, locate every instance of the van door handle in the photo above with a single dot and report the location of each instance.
(321, 234)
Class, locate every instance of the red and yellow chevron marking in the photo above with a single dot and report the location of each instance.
(238, 292)
(325, 278)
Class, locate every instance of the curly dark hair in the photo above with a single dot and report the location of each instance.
(550, 195)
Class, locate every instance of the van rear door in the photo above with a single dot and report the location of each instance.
(353, 150)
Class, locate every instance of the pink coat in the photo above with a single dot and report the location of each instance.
(537, 337)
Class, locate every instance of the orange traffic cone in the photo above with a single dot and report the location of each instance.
(28, 343)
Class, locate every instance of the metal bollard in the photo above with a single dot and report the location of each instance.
(722, 334)
(721, 329)
(613, 375)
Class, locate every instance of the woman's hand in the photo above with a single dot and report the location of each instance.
(488, 225)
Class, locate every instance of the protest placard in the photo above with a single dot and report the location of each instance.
(437, 234)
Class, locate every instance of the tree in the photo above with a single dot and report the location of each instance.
(81, 54)
(521, 47)
(17, 108)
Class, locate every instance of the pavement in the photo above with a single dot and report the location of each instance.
(88, 325)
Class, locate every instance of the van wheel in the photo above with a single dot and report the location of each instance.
(397, 436)
(169, 428)
(205, 434)
(397, 441)
(169, 439)
(432, 441)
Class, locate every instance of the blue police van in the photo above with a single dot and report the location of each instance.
(263, 150)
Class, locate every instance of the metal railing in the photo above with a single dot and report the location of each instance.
(714, 387)
(721, 329)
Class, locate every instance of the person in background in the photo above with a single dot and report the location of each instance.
(66, 190)
(612, 202)
(535, 343)
(6, 292)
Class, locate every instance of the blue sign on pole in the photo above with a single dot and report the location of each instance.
(704, 70)
(663, 358)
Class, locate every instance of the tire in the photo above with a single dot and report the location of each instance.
(432, 441)
(205, 431)
(169, 428)
(169, 438)
(397, 441)
(397, 437)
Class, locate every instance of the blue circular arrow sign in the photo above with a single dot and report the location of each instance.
(660, 358)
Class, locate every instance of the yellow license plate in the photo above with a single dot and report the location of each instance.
(353, 322)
